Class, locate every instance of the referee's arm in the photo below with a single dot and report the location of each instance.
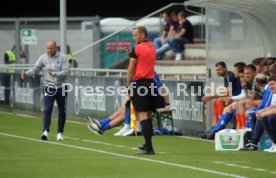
(130, 70)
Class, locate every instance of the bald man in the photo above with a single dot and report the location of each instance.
(56, 66)
(257, 129)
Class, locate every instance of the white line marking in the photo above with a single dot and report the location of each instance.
(259, 169)
(245, 167)
(194, 138)
(232, 165)
(273, 172)
(218, 162)
(17, 114)
(78, 158)
(86, 140)
(72, 138)
(126, 156)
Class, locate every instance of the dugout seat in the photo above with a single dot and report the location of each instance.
(161, 115)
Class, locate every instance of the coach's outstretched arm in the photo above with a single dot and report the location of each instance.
(34, 70)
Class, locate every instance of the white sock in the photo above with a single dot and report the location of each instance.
(126, 126)
(139, 129)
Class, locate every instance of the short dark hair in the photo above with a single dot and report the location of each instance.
(257, 61)
(271, 61)
(141, 29)
(272, 78)
(251, 66)
(264, 62)
(182, 14)
(166, 12)
(240, 66)
(272, 69)
(221, 63)
(174, 13)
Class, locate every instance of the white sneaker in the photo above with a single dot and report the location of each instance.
(271, 149)
(128, 132)
(59, 136)
(178, 56)
(123, 130)
(45, 135)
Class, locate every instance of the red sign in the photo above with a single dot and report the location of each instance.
(117, 45)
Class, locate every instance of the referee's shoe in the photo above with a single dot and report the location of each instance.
(144, 151)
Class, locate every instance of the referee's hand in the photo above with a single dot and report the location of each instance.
(128, 51)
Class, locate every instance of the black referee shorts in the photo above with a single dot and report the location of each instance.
(144, 98)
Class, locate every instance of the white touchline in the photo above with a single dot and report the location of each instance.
(126, 156)
(240, 166)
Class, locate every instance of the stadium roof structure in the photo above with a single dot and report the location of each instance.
(261, 13)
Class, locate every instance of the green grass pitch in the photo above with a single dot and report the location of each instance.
(83, 154)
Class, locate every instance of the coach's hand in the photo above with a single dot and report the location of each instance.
(23, 75)
(50, 72)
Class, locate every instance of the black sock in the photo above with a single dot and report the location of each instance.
(147, 132)
(151, 126)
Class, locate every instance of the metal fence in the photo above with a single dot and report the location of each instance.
(11, 30)
(96, 42)
(111, 72)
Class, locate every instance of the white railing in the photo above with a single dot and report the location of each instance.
(111, 72)
(125, 27)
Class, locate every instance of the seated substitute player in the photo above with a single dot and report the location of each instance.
(123, 114)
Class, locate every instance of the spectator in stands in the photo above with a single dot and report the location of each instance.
(268, 115)
(183, 35)
(161, 43)
(174, 17)
(232, 86)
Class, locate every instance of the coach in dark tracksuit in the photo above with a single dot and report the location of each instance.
(141, 68)
(56, 64)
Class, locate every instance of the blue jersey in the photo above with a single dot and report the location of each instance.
(267, 96)
(235, 82)
(159, 99)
